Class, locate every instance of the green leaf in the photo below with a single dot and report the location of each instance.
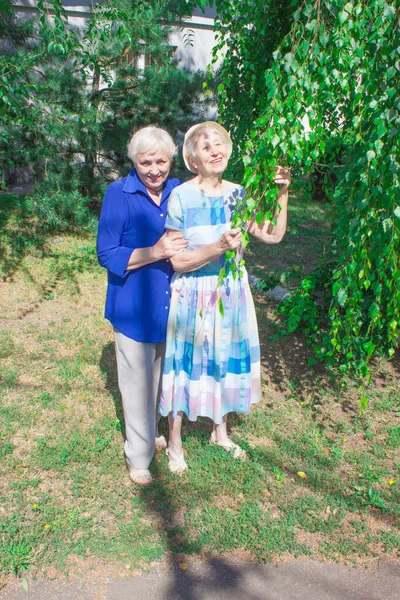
(221, 276)
(221, 307)
(245, 239)
(378, 146)
(381, 130)
(369, 347)
(364, 403)
(275, 140)
(342, 296)
(259, 217)
(251, 203)
(373, 310)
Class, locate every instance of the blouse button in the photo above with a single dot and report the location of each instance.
(161, 214)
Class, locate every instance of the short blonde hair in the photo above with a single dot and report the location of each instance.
(192, 136)
(150, 139)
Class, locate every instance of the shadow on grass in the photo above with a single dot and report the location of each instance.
(23, 233)
(163, 506)
(108, 366)
(285, 364)
(217, 575)
(19, 234)
(284, 360)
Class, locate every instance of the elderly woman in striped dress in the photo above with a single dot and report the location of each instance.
(212, 361)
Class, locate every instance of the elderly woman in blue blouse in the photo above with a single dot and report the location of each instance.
(135, 249)
(212, 361)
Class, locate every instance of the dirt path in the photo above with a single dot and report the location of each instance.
(220, 579)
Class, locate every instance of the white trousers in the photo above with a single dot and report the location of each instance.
(140, 369)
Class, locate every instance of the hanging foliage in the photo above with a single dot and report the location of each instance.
(317, 84)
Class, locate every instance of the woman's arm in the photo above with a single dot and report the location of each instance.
(184, 262)
(112, 256)
(170, 244)
(266, 231)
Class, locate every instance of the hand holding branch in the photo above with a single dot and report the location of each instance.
(230, 240)
(266, 231)
(282, 176)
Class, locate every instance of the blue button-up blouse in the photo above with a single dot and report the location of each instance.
(137, 301)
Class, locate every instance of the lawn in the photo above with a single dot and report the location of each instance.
(320, 480)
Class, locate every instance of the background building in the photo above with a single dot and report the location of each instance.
(192, 42)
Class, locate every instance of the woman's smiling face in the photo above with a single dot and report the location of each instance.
(153, 169)
(211, 155)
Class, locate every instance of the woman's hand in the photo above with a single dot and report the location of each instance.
(282, 176)
(265, 231)
(230, 240)
(171, 243)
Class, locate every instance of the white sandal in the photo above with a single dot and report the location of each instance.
(176, 463)
(140, 476)
(161, 443)
(230, 446)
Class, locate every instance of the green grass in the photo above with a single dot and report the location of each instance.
(7, 346)
(65, 491)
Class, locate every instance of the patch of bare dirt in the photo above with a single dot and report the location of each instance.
(311, 540)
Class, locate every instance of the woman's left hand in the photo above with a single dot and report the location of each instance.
(282, 176)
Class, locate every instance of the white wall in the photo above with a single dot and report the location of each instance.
(200, 28)
(78, 11)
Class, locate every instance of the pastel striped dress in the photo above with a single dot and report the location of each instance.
(212, 360)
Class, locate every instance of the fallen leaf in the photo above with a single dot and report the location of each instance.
(301, 474)
(183, 566)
